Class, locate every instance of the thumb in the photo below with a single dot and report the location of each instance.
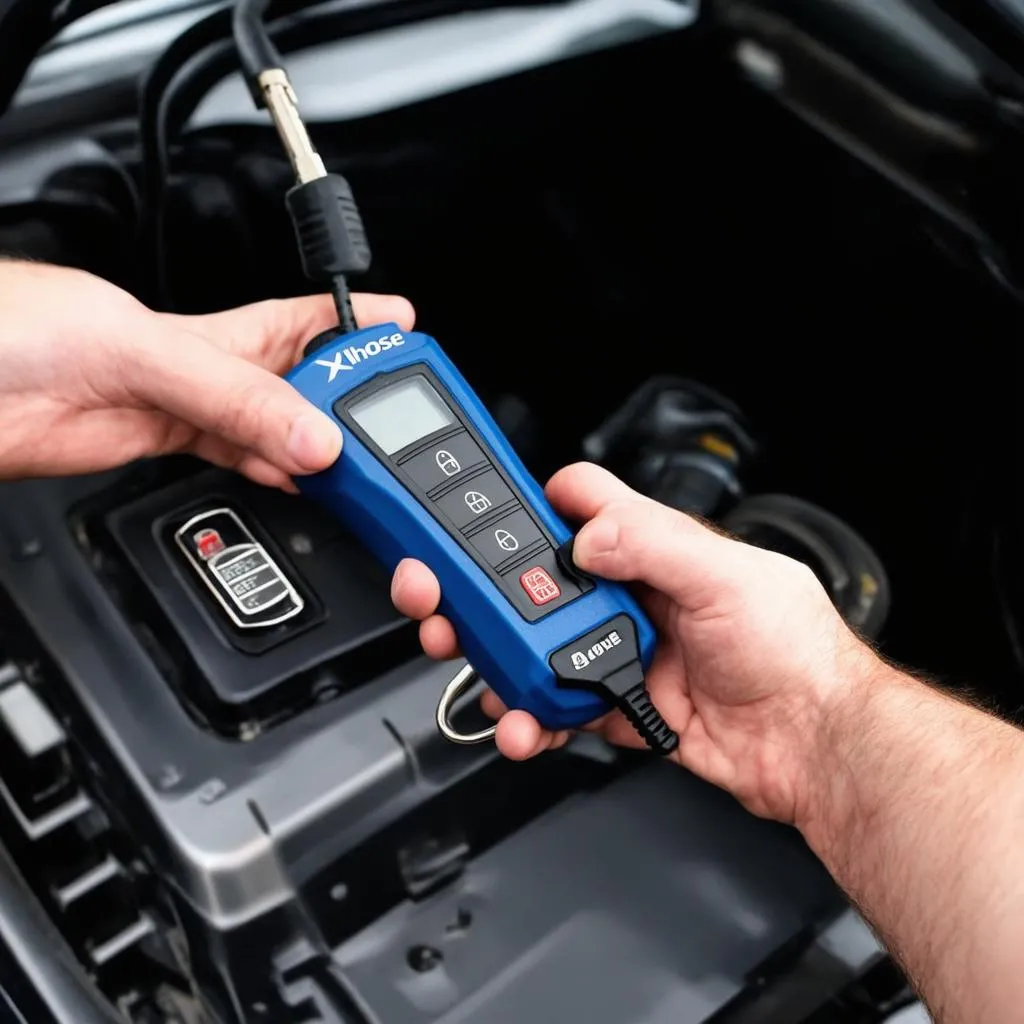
(184, 375)
(638, 540)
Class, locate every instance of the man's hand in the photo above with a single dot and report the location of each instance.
(913, 800)
(752, 653)
(90, 379)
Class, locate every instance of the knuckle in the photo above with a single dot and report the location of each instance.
(790, 573)
(643, 526)
(243, 415)
(628, 512)
(803, 577)
(627, 517)
(616, 510)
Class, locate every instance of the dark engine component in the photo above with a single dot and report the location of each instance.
(847, 567)
(677, 441)
(906, 87)
(685, 445)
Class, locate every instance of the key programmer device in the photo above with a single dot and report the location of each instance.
(426, 473)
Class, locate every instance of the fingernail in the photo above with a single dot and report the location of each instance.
(396, 584)
(314, 442)
(597, 538)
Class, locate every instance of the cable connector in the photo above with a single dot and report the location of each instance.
(606, 662)
(283, 105)
(328, 229)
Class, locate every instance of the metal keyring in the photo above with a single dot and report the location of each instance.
(461, 682)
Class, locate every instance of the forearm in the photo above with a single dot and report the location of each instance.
(918, 812)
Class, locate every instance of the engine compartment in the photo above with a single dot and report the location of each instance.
(565, 223)
(344, 862)
(234, 830)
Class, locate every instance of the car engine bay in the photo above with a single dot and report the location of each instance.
(693, 250)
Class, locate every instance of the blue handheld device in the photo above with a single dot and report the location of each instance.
(426, 472)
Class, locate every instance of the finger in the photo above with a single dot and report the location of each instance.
(373, 309)
(617, 730)
(274, 333)
(229, 456)
(598, 724)
(184, 375)
(262, 472)
(644, 542)
(560, 738)
(493, 706)
(415, 591)
(437, 638)
(520, 737)
(581, 490)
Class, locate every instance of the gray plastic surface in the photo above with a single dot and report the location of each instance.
(651, 902)
(238, 826)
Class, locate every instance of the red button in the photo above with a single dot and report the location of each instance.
(208, 543)
(539, 586)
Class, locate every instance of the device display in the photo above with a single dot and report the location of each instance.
(444, 465)
(399, 415)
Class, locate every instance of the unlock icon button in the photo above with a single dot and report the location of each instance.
(504, 540)
(474, 500)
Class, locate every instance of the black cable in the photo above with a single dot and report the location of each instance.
(255, 49)
(343, 303)
(328, 229)
(156, 99)
(205, 53)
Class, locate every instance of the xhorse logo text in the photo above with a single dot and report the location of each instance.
(352, 355)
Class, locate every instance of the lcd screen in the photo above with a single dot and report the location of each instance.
(401, 413)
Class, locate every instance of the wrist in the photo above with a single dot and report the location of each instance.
(881, 735)
(843, 727)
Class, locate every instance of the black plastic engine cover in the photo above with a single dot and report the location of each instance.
(236, 679)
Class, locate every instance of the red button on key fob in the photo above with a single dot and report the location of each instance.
(539, 586)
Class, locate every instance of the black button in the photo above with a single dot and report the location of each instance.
(539, 585)
(509, 537)
(475, 498)
(568, 565)
(444, 461)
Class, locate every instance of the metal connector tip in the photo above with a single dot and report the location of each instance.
(284, 110)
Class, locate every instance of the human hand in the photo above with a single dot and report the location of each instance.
(752, 654)
(92, 379)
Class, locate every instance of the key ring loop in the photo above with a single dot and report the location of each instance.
(466, 677)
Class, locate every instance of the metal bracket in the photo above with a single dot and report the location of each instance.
(460, 683)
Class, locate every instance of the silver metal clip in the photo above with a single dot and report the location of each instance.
(462, 681)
